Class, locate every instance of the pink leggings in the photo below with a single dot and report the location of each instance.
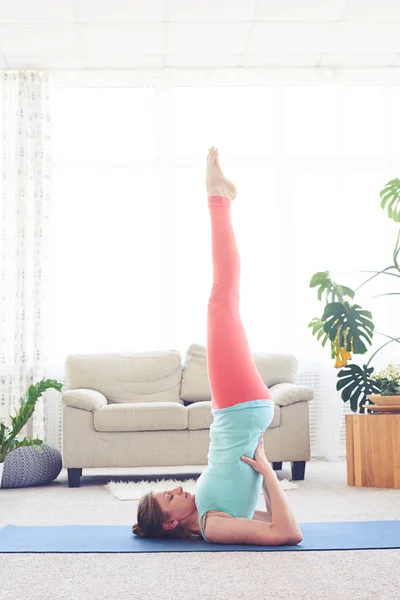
(232, 373)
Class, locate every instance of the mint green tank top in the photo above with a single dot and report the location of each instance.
(228, 484)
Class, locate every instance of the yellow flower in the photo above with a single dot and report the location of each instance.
(341, 354)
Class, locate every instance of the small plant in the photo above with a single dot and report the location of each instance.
(8, 439)
(389, 380)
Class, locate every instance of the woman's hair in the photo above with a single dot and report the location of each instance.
(150, 518)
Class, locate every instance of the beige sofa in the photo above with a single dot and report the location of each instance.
(148, 409)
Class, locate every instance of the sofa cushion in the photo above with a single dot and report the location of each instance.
(273, 367)
(276, 367)
(200, 415)
(141, 416)
(127, 376)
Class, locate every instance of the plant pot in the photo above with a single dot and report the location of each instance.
(380, 400)
(1, 472)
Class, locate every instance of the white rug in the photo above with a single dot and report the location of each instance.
(134, 490)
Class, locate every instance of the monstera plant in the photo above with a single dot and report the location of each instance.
(348, 326)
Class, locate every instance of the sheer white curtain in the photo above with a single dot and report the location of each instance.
(25, 213)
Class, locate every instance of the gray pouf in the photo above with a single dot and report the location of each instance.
(31, 465)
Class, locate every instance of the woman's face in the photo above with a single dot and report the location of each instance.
(176, 503)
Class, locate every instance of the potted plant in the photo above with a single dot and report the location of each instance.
(349, 327)
(8, 435)
(389, 381)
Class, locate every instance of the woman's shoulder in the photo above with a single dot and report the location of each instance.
(210, 517)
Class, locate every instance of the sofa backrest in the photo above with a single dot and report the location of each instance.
(128, 376)
(273, 367)
(160, 377)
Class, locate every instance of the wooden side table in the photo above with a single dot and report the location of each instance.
(373, 450)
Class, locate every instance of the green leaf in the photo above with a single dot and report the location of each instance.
(318, 328)
(391, 195)
(356, 383)
(353, 319)
(334, 290)
(3, 430)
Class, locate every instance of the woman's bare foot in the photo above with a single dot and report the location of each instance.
(217, 184)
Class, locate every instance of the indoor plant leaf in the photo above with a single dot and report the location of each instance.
(391, 195)
(318, 328)
(356, 383)
(325, 283)
(348, 324)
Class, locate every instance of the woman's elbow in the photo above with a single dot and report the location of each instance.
(295, 539)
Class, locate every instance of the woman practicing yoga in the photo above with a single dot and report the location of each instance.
(223, 509)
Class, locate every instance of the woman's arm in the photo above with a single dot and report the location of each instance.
(243, 531)
(282, 515)
(264, 515)
(283, 518)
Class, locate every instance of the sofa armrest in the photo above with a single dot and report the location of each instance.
(284, 394)
(84, 399)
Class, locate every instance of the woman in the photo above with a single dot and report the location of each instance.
(223, 510)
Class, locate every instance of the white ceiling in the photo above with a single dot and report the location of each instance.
(121, 34)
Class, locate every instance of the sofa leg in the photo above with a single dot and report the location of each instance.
(298, 470)
(74, 477)
(277, 466)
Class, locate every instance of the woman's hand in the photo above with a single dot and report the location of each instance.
(260, 461)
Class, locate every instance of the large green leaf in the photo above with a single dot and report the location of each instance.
(325, 283)
(356, 383)
(352, 319)
(318, 328)
(391, 194)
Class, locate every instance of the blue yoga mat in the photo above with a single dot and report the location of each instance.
(349, 535)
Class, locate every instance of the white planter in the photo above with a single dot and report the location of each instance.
(1, 472)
